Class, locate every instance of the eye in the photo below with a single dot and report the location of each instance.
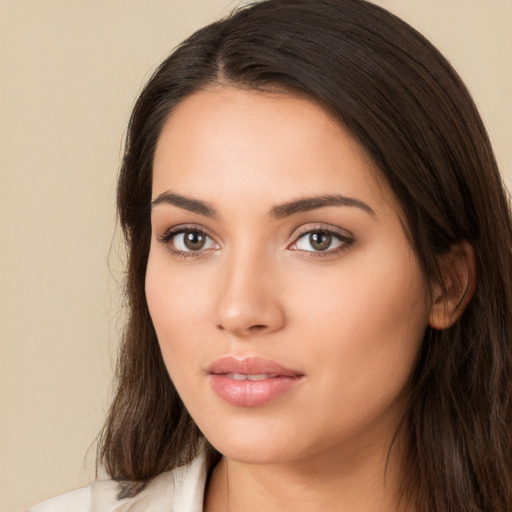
(187, 240)
(192, 241)
(321, 241)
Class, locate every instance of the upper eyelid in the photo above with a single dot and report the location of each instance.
(294, 236)
(167, 240)
(345, 236)
(180, 228)
(326, 228)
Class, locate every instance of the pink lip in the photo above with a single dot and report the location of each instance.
(250, 393)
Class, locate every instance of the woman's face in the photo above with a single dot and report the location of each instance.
(287, 301)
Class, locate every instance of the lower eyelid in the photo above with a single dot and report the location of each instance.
(344, 239)
(167, 240)
(167, 237)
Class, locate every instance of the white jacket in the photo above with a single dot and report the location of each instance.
(179, 490)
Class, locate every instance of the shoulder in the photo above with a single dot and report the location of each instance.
(174, 491)
(76, 500)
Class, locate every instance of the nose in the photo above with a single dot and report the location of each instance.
(249, 301)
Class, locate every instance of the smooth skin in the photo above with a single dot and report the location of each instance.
(333, 291)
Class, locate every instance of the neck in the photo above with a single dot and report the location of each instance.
(347, 480)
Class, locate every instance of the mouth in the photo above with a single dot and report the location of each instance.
(251, 382)
(244, 376)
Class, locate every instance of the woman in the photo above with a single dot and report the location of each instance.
(319, 277)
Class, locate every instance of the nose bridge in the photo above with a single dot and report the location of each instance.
(248, 301)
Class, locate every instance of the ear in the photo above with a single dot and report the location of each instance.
(451, 297)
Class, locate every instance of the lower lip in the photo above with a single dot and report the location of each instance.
(251, 393)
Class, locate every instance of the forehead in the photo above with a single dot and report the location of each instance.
(267, 146)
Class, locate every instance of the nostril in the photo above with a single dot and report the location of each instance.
(251, 329)
(257, 327)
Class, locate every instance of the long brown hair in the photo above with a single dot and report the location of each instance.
(401, 99)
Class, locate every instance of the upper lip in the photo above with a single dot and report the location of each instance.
(250, 366)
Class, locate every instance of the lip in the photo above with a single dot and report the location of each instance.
(272, 381)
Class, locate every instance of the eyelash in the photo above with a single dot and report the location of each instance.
(170, 234)
(345, 239)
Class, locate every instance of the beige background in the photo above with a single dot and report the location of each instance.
(69, 73)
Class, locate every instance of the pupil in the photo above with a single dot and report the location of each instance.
(320, 241)
(194, 240)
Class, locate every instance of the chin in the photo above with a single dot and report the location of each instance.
(254, 453)
(253, 441)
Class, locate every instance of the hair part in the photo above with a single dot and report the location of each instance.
(406, 106)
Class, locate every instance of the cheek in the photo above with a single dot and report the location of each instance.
(363, 331)
(178, 307)
(367, 321)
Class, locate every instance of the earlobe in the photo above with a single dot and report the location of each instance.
(451, 297)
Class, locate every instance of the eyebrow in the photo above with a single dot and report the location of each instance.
(187, 203)
(304, 204)
(307, 204)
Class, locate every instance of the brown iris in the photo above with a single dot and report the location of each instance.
(194, 240)
(320, 241)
